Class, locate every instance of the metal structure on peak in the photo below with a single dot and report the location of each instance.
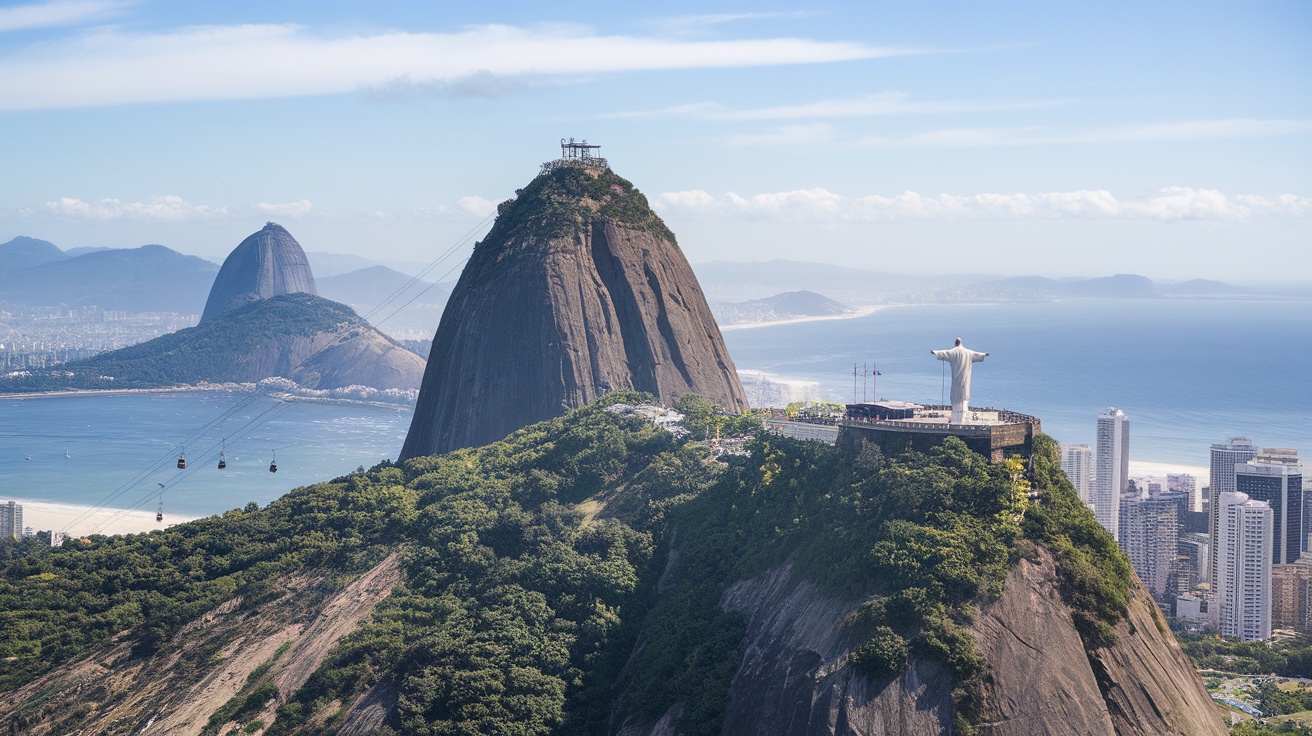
(576, 154)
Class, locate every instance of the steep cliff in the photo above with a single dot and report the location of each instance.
(266, 264)
(578, 289)
(793, 676)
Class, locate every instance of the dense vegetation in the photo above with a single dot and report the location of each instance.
(560, 201)
(1287, 658)
(532, 568)
(216, 351)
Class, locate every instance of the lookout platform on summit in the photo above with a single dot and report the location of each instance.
(576, 154)
(898, 426)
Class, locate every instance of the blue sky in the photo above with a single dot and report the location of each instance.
(1169, 139)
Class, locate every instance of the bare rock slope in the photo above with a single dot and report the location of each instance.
(793, 679)
(266, 264)
(228, 652)
(579, 288)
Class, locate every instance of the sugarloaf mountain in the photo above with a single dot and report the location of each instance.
(578, 289)
(262, 320)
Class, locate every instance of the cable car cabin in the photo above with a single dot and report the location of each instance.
(223, 461)
(182, 462)
(273, 467)
(159, 516)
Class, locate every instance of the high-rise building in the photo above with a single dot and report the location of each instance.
(1185, 483)
(1077, 463)
(1243, 593)
(11, 520)
(1150, 536)
(1238, 450)
(1291, 596)
(1193, 554)
(1278, 480)
(1225, 457)
(1112, 469)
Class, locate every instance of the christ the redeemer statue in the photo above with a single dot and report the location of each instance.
(960, 358)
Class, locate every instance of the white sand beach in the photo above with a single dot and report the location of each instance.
(857, 312)
(75, 521)
(1150, 469)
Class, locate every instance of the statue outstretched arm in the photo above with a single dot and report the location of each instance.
(978, 357)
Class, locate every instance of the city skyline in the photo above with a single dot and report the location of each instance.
(861, 135)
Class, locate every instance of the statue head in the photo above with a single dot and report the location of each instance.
(958, 342)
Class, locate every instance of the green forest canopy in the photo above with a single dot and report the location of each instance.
(519, 611)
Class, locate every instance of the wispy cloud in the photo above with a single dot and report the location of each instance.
(824, 206)
(1041, 136)
(112, 66)
(297, 209)
(692, 24)
(872, 105)
(58, 13)
(166, 208)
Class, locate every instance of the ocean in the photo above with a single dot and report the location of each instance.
(128, 444)
(1187, 372)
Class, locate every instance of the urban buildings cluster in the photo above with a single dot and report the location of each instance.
(11, 521)
(41, 337)
(1232, 556)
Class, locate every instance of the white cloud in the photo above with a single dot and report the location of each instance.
(287, 209)
(1143, 133)
(166, 208)
(476, 206)
(824, 206)
(871, 105)
(113, 66)
(57, 13)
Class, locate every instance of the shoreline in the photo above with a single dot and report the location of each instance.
(854, 314)
(216, 388)
(51, 516)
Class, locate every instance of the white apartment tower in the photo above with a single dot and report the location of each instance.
(11, 520)
(1150, 537)
(1225, 457)
(1243, 595)
(1112, 470)
(1077, 463)
(1185, 483)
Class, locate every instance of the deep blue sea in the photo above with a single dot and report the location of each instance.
(110, 440)
(1188, 373)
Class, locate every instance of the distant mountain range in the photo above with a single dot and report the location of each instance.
(785, 306)
(154, 278)
(733, 282)
(151, 278)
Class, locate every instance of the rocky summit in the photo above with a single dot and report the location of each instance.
(578, 289)
(266, 264)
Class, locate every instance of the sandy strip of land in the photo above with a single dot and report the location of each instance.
(45, 516)
(126, 391)
(858, 312)
(1148, 468)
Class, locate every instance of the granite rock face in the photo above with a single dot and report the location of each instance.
(578, 289)
(793, 678)
(266, 264)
